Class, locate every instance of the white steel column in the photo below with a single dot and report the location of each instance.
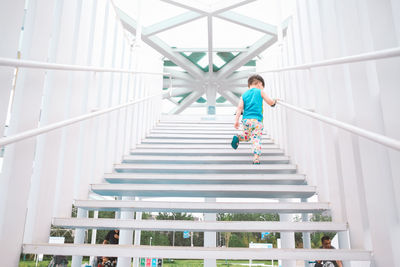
(11, 20)
(328, 153)
(138, 217)
(18, 159)
(386, 80)
(79, 238)
(287, 238)
(94, 236)
(112, 118)
(50, 149)
(107, 98)
(367, 88)
(306, 235)
(126, 236)
(102, 43)
(37, 228)
(210, 238)
(122, 98)
(129, 110)
(73, 160)
(349, 193)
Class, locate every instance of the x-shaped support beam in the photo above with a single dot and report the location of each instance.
(227, 75)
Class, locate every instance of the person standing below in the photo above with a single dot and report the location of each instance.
(326, 244)
(251, 104)
(112, 237)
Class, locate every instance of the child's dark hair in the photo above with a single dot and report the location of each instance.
(255, 78)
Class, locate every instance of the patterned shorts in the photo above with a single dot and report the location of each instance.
(252, 131)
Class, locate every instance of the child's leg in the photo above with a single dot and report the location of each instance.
(256, 134)
(245, 136)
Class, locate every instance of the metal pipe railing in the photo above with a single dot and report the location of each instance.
(55, 66)
(34, 132)
(387, 53)
(378, 138)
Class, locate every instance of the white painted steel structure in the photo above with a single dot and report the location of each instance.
(335, 62)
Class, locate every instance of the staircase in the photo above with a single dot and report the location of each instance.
(194, 159)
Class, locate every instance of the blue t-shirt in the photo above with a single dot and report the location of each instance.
(253, 104)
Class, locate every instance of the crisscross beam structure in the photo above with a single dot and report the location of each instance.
(195, 81)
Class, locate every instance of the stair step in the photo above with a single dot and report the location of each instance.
(198, 129)
(197, 252)
(197, 122)
(202, 159)
(197, 168)
(199, 142)
(191, 136)
(241, 151)
(182, 178)
(202, 207)
(201, 190)
(226, 145)
(199, 226)
(209, 131)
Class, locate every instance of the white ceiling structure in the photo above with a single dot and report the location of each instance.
(211, 64)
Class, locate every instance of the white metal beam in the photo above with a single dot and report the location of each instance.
(161, 47)
(215, 49)
(177, 58)
(190, 5)
(178, 74)
(171, 23)
(178, 83)
(239, 90)
(187, 102)
(208, 10)
(210, 44)
(197, 252)
(230, 82)
(179, 92)
(239, 75)
(248, 22)
(229, 96)
(232, 4)
(241, 84)
(200, 226)
(243, 58)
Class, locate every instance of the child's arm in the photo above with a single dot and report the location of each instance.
(267, 99)
(238, 113)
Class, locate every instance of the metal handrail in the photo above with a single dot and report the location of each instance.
(386, 53)
(55, 66)
(34, 132)
(378, 138)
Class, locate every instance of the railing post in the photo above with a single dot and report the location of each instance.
(79, 238)
(125, 236)
(287, 238)
(210, 238)
(137, 237)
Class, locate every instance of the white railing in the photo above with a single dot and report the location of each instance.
(41, 130)
(387, 53)
(381, 139)
(54, 66)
